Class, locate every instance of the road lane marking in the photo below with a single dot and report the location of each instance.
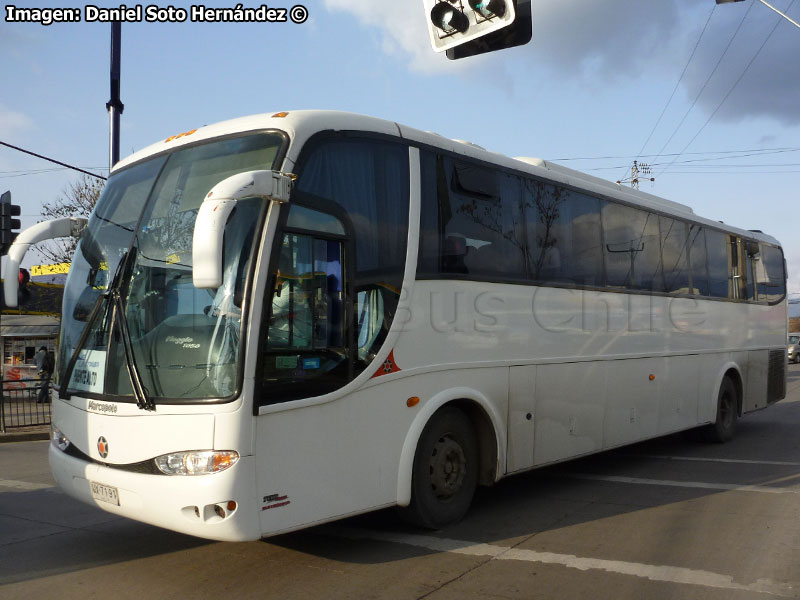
(663, 573)
(25, 486)
(738, 461)
(764, 489)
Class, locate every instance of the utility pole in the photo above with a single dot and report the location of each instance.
(114, 106)
(636, 170)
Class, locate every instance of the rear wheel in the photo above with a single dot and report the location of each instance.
(445, 471)
(724, 428)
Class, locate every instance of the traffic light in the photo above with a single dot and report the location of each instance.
(7, 223)
(23, 292)
(467, 27)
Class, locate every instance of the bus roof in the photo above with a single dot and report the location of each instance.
(300, 125)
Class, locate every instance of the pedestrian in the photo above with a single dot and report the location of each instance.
(39, 358)
(45, 366)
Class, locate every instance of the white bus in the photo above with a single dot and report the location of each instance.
(282, 320)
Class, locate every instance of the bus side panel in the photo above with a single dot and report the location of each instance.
(327, 461)
(570, 409)
(755, 395)
(678, 399)
(633, 400)
(521, 424)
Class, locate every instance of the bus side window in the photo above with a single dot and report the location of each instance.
(369, 322)
(719, 276)
(307, 298)
(772, 278)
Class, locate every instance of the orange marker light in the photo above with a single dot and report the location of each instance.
(280, 115)
(411, 402)
(180, 135)
(652, 377)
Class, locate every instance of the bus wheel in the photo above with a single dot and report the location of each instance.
(723, 429)
(445, 471)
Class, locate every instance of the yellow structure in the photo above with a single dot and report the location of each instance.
(55, 269)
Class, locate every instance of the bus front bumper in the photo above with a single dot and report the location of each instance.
(220, 506)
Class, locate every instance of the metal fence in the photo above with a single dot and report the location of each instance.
(21, 404)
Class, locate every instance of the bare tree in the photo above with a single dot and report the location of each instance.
(77, 200)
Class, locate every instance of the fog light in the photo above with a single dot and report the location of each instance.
(58, 439)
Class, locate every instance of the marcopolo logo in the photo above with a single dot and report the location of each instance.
(102, 446)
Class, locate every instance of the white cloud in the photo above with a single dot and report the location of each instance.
(573, 36)
(590, 41)
(12, 121)
(403, 26)
(770, 86)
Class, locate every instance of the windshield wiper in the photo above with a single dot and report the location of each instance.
(65, 375)
(113, 295)
(143, 399)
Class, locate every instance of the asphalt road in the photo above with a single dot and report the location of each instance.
(668, 518)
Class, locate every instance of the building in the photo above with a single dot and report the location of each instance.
(25, 329)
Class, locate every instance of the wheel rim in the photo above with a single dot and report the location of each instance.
(726, 410)
(448, 467)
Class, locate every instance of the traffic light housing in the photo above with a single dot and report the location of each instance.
(8, 224)
(468, 27)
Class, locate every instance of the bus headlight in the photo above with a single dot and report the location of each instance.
(58, 439)
(196, 462)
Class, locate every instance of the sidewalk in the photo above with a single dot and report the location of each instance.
(26, 434)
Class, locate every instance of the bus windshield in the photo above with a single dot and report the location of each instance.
(184, 341)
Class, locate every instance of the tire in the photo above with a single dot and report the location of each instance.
(724, 428)
(445, 472)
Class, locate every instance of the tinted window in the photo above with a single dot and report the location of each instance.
(717, 250)
(341, 260)
(369, 180)
(674, 255)
(771, 279)
(752, 253)
(632, 248)
(474, 225)
(563, 234)
(698, 260)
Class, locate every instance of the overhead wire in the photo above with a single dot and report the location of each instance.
(52, 160)
(708, 79)
(755, 151)
(678, 83)
(733, 87)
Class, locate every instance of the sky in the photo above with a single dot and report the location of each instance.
(707, 94)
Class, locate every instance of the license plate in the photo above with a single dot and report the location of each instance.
(104, 493)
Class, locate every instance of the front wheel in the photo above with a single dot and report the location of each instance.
(445, 471)
(723, 429)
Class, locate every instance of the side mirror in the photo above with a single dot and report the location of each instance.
(219, 203)
(85, 304)
(48, 230)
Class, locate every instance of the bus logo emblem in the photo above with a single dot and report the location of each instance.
(388, 366)
(102, 446)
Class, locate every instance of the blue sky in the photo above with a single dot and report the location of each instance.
(592, 83)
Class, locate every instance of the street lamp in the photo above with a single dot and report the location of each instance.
(764, 2)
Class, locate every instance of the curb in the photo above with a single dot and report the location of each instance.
(24, 436)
